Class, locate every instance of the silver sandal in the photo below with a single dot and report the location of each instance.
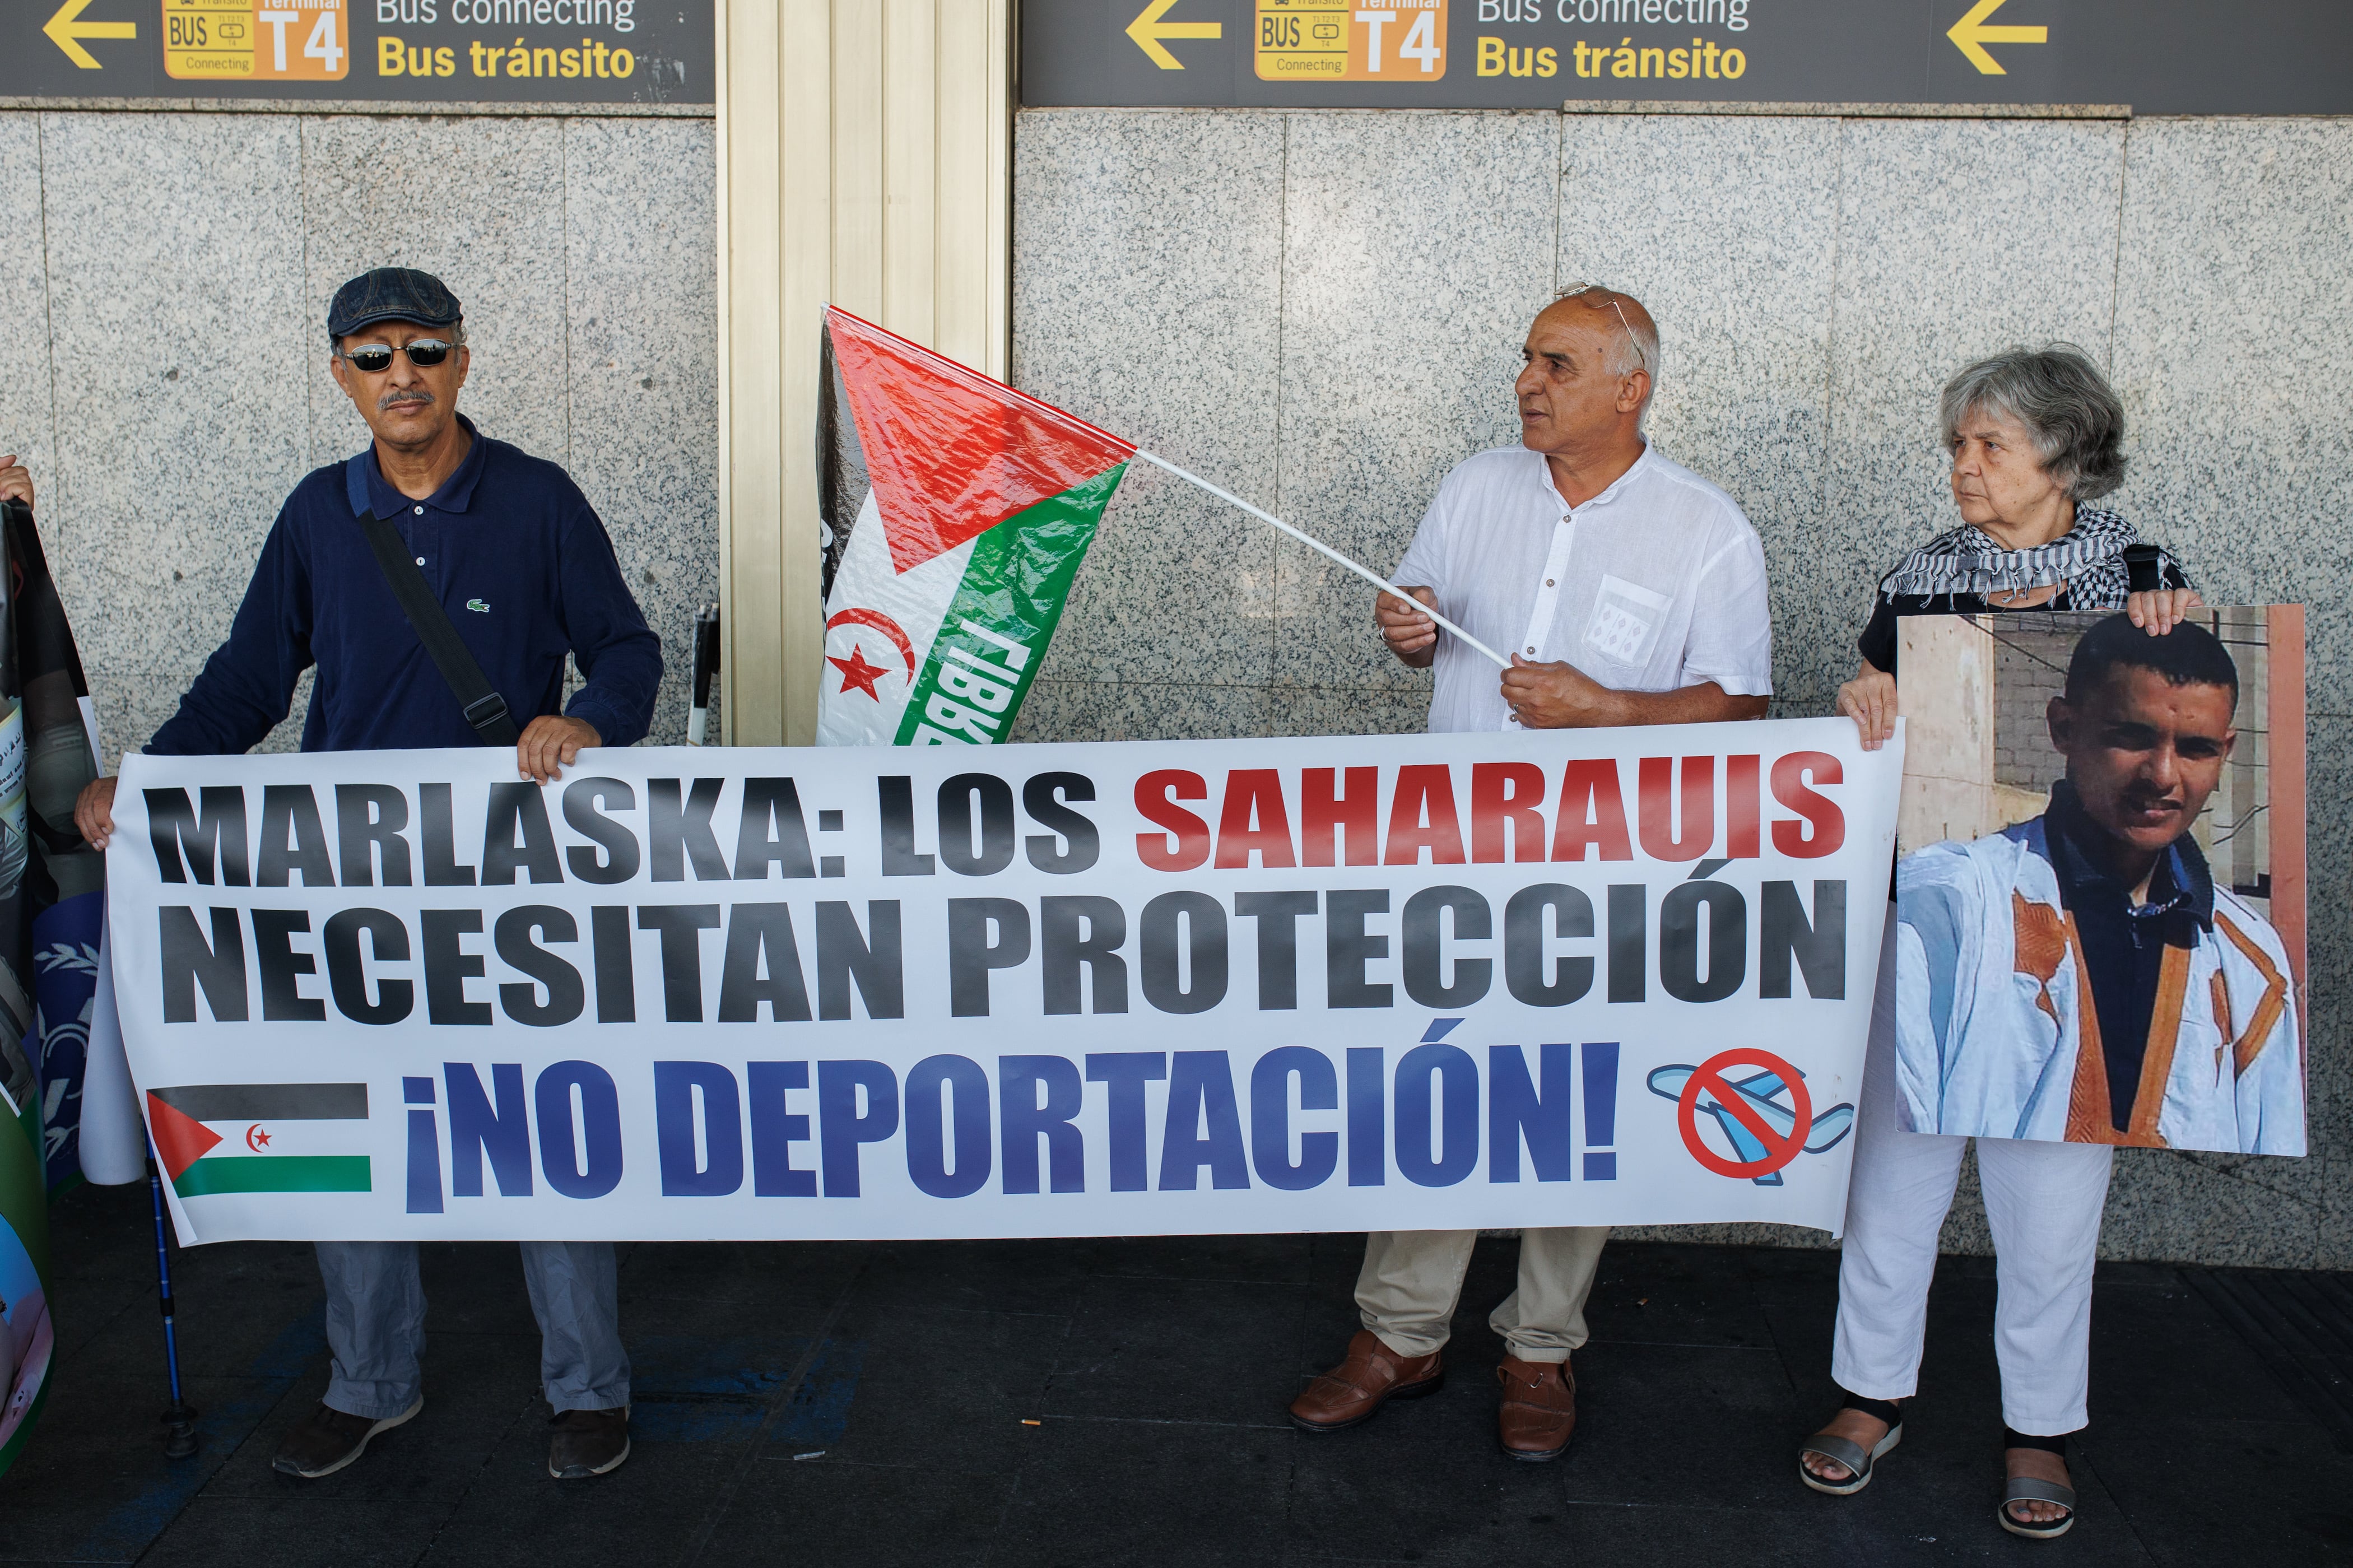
(2026, 1489)
(1858, 1461)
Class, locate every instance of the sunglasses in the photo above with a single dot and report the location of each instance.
(1579, 291)
(376, 358)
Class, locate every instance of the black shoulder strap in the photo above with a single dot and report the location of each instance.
(2144, 569)
(486, 710)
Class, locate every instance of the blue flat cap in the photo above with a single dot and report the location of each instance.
(391, 294)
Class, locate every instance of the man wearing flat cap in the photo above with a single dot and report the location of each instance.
(514, 558)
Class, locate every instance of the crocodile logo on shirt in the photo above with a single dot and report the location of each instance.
(479, 608)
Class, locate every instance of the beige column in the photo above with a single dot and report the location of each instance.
(1948, 668)
(865, 160)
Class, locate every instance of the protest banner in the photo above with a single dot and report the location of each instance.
(1158, 987)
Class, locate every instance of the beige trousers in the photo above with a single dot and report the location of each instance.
(1412, 1279)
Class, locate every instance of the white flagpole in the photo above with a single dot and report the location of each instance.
(1328, 553)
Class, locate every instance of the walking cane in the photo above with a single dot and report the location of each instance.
(706, 666)
(179, 1420)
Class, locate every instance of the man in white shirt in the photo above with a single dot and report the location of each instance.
(1628, 591)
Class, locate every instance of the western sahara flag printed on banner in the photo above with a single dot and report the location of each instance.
(958, 511)
(261, 1137)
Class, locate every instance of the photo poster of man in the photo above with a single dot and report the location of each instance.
(2100, 888)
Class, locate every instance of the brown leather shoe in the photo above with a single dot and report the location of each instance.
(1539, 1411)
(1368, 1378)
(327, 1439)
(587, 1443)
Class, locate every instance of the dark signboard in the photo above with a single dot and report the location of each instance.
(425, 51)
(2159, 57)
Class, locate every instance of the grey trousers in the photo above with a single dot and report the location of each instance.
(1411, 1279)
(375, 1325)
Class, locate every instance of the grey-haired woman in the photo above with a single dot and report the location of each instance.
(2035, 435)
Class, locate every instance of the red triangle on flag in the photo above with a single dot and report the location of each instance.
(179, 1139)
(951, 452)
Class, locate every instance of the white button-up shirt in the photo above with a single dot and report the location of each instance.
(1654, 585)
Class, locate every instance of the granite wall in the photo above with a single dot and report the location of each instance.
(1321, 311)
(164, 369)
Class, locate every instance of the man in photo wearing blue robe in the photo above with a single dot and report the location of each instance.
(2080, 977)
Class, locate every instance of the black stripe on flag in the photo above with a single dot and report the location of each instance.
(267, 1101)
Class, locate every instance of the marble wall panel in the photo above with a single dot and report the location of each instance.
(480, 203)
(1956, 239)
(2234, 346)
(1349, 711)
(2335, 1206)
(1142, 711)
(2205, 1209)
(174, 252)
(641, 295)
(1726, 228)
(584, 251)
(1417, 248)
(1147, 282)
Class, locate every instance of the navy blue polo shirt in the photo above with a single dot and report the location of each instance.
(518, 559)
(2124, 942)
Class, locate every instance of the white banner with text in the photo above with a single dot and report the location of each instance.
(1599, 977)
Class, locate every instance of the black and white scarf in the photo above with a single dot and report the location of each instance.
(2089, 558)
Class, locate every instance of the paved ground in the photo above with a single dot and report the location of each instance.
(873, 1403)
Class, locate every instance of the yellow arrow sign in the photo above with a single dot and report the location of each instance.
(1970, 36)
(66, 33)
(1148, 29)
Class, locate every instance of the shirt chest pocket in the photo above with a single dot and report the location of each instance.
(1626, 621)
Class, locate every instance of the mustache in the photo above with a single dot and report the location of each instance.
(401, 396)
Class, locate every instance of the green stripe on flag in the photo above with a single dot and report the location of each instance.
(1014, 588)
(274, 1174)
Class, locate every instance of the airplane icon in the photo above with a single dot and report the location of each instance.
(1762, 1092)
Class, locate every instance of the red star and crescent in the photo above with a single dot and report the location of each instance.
(256, 1139)
(856, 672)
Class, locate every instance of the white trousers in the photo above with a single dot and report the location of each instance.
(2043, 1203)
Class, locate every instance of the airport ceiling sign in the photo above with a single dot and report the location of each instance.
(2159, 57)
(590, 52)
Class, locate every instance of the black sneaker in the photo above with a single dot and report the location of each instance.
(587, 1443)
(326, 1440)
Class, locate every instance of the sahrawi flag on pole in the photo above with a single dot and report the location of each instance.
(958, 511)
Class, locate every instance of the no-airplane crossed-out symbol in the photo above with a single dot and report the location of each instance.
(1765, 1133)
